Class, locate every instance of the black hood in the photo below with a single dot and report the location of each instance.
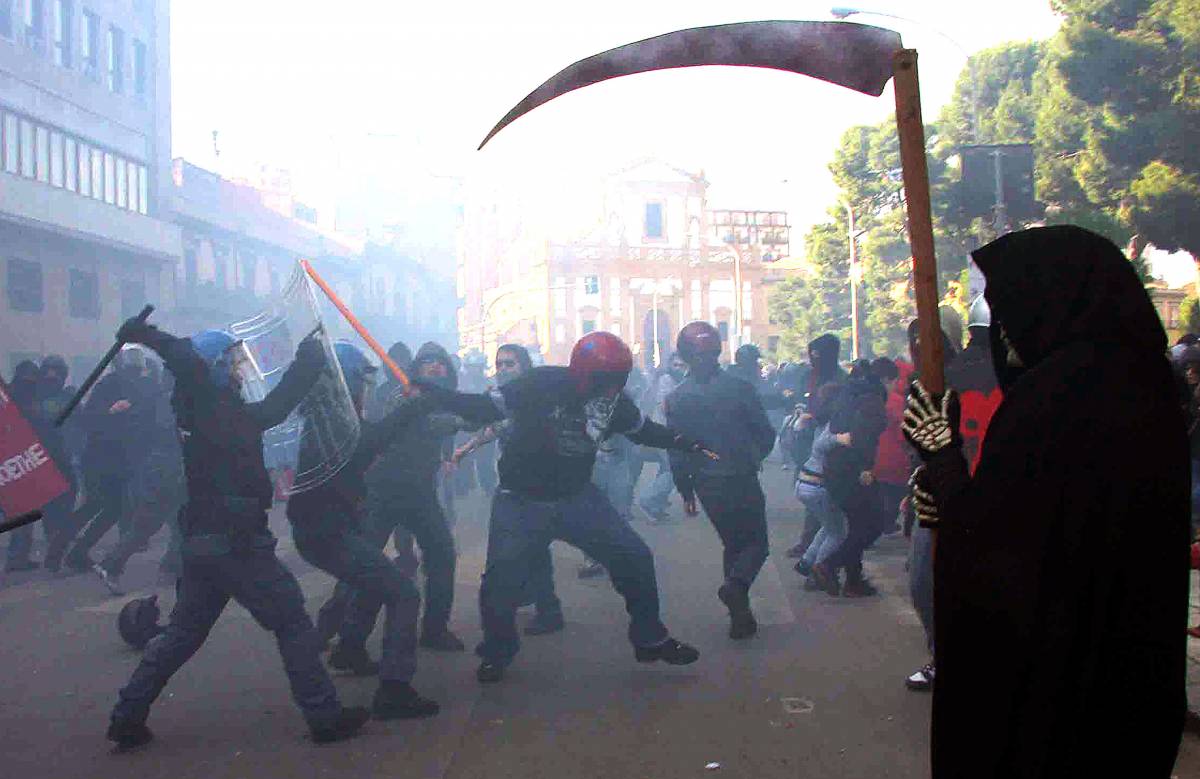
(432, 352)
(1049, 287)
(823, 352)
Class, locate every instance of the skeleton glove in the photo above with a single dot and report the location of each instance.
(931, 421)
(923, 503)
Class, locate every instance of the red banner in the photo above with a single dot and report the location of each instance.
(28, 477)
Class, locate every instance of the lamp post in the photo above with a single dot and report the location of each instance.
(855, 280)
(844, 12)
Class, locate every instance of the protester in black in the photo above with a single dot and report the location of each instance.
(559, 417)
(714, 406)
(1061, 572)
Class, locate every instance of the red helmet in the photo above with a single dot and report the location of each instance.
(697, 339)
(598, 355)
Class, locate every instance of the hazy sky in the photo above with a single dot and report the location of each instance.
(396, 93)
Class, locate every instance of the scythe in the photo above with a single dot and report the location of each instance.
(859, 57)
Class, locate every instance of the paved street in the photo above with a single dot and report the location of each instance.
(818, 694)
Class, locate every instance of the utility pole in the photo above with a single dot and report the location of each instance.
(855, 277)
(1000, 223)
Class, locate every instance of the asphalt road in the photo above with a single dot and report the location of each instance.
(819, 693)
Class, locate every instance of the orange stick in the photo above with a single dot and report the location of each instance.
(358, 327)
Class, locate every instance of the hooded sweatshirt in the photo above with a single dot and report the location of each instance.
(823, 353)
(1061, 575)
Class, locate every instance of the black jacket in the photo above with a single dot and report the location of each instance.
(726, 414)
(228, 487)
(1061, 574)
(116, 442)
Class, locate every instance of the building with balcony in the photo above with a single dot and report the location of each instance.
(85, 233)
(655, 258)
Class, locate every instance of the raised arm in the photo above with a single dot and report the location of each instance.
(299, 378)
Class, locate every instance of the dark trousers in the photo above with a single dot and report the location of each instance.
(214, 570)
(539, 589)
(520, 529)
(737, 510)
(104, 504)
(157, 498)
(420, 515)
(361, 565)
(864, 516)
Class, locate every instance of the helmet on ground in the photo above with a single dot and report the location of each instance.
(357, 369)
(138, 621)
(980, 313)
(697, 339)
(600, 359)
(747, 354)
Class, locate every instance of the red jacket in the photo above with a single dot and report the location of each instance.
(892, 463)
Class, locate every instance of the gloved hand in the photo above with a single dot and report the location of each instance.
(931, 422)
(136, 331)
(311, 352)
(695, 447)
(923, 503)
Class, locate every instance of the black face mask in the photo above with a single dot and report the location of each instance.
(1006, 375)
(51, 383)
(704, 366)
(678, 374)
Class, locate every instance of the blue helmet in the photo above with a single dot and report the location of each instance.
(212, 345)
(357, 370)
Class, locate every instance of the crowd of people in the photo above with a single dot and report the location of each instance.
(1032, 523)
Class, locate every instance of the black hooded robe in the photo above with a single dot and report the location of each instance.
(1061, 575)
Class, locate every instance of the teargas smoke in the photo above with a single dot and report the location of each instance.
(317, 440)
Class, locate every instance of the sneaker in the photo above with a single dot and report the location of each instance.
(398, 700)
(922, 679)
(489, 672)
(542, 625)
(591, 570)
(802, 567)
(736, 598)
(350, 720)
(859, 589)
(110, 581)
(129, 736)
(354, 660)
(671, 652)
(442, 641)
(19, 566)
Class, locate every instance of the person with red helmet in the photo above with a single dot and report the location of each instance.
(559, 417)
(718, 407)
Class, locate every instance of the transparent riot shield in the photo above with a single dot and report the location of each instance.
(319, 437)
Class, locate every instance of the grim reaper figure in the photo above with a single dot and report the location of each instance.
(1061, 570)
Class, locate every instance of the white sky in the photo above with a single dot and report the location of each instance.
(387, 94)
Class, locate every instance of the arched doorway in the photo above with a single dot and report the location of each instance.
(663, 339)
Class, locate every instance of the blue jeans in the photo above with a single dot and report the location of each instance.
(657, 494)
(834, 529)
(215, 570)
(920, 579)
(521, 528)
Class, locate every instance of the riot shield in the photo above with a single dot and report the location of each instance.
(319, 437)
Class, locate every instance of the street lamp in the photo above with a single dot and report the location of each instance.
(844, 12)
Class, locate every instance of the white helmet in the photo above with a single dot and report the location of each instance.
(980, 313)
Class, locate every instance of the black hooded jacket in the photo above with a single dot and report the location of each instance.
(823, 352)
(1061, 574)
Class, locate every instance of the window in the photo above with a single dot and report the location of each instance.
(189, 265)
(70, 164)
(587, 326)
(24, 286)
(723, 329)
(697, 310)
(90, 44)
(134, 192)
(614, 296)
(26, 148)
(56, 159)
(560, 333)
(116, 59)
(42, 146)
(221, 266)
(122, 184)
(654, 220)
(85, 171)
(83, 295)
(97, 174)
(591, 285)
(62, 32)
(10, 143)
(133, 297)
(6, 28)
(139, 68)
(110, 178)
(35, 30)
(143, 190)
(560, 296)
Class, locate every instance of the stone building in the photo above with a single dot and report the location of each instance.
(655, 258)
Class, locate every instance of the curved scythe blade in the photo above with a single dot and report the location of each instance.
(852, 55)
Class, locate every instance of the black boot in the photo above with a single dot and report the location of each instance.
(129, 735)
(353, 659)
(671, 652)
(347, 725)
(736, 597)
(398, 700)
(489, 672)
(442, 641)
